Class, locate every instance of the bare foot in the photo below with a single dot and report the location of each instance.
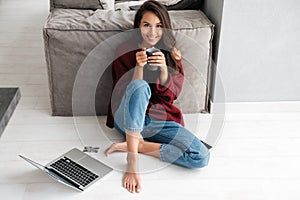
(132, 182)
(131, 178)
(119, 146)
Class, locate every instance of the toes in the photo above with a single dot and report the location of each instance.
(131, 183)
(130, 186)
(125, 183)
(107, 152)
(138, 189)
(110, 149)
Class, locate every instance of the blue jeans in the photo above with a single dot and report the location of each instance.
(178, 145)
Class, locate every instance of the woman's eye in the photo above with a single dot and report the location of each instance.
(146, 25)
(159, 26)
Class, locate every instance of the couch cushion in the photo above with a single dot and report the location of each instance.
(108, 4)
(169, 2)
(77, 38)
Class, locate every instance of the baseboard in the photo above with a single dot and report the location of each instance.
(256, 107)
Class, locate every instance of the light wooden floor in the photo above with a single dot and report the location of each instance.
(257, 157)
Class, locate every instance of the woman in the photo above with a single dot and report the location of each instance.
(141, 105)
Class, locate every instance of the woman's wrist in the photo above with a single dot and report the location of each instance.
(138, 73)
(163, 74)
(139, 67)
(164, 68)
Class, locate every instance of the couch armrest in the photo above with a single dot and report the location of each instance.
(76, 4)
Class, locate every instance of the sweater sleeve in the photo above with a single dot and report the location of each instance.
(172, 88)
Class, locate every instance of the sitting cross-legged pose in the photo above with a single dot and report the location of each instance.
(141, 106)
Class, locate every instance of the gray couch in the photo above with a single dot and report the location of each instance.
(79, 48)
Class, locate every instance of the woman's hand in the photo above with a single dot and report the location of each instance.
(141, 58)
(141, 61)
(158, 59)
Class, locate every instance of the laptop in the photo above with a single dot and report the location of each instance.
(74, 169)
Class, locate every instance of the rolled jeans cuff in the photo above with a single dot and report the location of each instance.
(134, 130)
(161, 151)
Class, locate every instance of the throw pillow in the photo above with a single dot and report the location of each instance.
(77, 4)
(169, 2)
(108, 4)
(182, 4)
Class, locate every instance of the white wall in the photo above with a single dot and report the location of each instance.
(259, 51)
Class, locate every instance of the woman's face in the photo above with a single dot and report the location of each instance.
(151, 29)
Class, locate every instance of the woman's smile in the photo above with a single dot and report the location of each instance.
(153, 39)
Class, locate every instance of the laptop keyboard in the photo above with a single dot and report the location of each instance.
(74, 171)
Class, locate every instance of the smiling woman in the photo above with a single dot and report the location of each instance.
(156, 29)
(142, 107)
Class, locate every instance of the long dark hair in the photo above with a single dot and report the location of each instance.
(167, 43)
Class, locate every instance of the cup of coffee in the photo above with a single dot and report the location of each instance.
(149, 52)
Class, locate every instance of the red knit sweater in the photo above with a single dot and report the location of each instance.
(161, 101)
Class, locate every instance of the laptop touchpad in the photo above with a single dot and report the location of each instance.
(95, 165)
(75, 155)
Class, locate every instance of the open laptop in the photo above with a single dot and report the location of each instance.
(74, 169)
